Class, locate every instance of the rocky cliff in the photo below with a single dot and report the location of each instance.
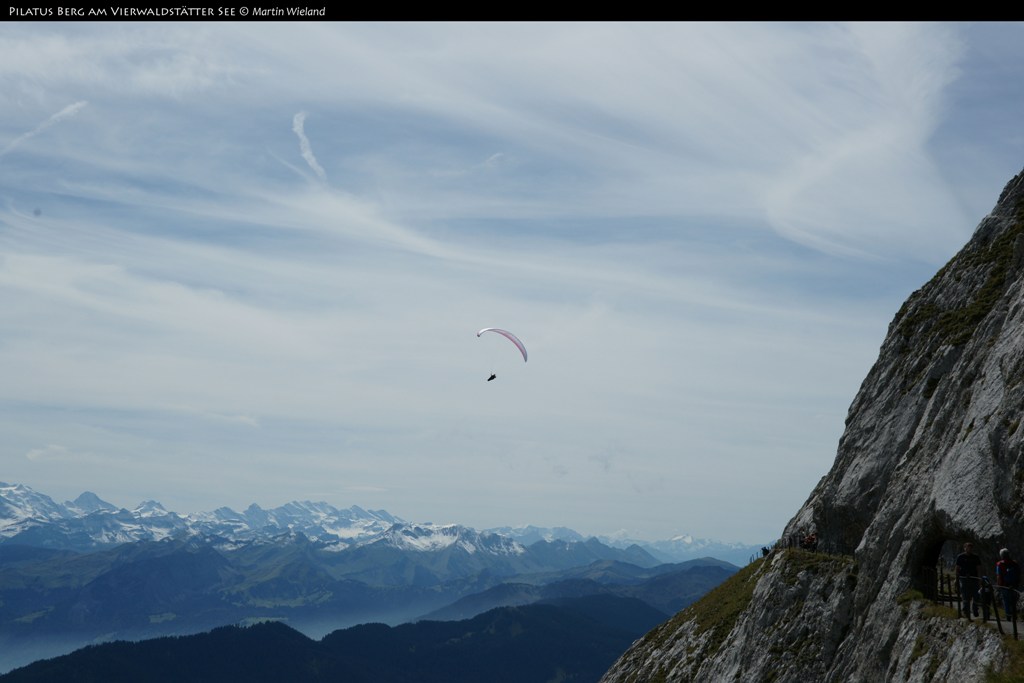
(931, 457)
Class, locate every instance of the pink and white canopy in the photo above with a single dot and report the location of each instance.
(508, 335)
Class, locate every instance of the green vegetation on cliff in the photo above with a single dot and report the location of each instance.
(955, 326)
(715, 612)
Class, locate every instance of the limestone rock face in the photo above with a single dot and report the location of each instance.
(931, 457)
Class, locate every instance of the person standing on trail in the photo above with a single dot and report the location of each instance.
(1007, 582)
(968, 576)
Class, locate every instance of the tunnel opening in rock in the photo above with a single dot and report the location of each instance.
(934, 568)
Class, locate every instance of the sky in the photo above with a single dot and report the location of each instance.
(246, 262)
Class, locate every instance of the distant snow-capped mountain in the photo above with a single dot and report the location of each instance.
(88, 523)
(685, 547)
(318, 521)
(88, 502)
(529, 534)
(432, 537)
(681, 548)
(19, 503)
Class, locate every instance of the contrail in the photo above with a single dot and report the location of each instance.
(307, 151)
(66, 112)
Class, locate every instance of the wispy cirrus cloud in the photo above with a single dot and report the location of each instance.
(298, 126)
(65, 113)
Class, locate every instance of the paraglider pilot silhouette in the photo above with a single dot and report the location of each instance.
(508, 335)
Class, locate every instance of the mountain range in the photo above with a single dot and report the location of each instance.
(86, 571)
(28, 517)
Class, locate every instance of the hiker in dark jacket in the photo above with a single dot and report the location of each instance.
(968, 576)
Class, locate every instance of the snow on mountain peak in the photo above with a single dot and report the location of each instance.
(437, 537)
(89, 522)
(89, 502)
(19, 503)
(426, 537)
(148, 508)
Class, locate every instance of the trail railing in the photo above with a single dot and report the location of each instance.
(947, 588)
(983, 604)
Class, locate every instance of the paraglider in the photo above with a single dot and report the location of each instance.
(508, 335)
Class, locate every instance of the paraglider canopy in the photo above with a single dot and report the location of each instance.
(508, 335)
